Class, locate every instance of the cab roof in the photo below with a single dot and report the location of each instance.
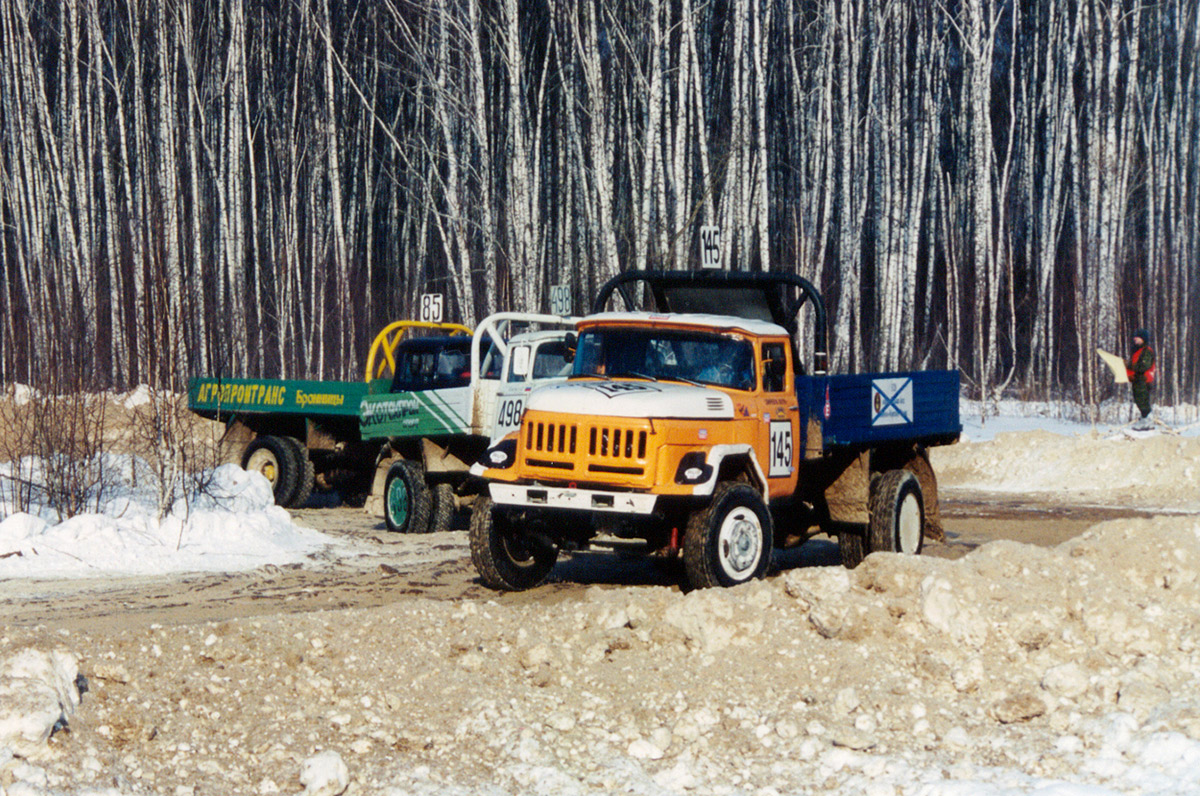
(717, 323)
(435, 343)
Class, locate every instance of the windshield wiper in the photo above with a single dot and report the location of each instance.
(632, 374)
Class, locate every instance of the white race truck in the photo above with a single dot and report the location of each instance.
(449, 398)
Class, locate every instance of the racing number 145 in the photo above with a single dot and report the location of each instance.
(780, 463)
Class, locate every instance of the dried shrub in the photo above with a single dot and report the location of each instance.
(55, 448)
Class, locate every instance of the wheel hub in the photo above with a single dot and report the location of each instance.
(909, 530)
(398, 502)
(740, 542)
(263, 463)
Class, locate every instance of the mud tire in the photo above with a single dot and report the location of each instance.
(442, 513)
(273, 457)
(407, 502)
(305, 474)
(853, 548)
(729, 541)
(504, 558)
(897, 513)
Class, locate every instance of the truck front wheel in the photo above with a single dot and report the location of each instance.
(505, 558)
(852, 547)
(897, 513)
(729, 541)
(406, 499)
(273, 458)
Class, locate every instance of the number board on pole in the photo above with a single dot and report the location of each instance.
(431, 308)
(710, 247)
(560, 300)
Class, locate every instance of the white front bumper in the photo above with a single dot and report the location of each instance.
(566, 498)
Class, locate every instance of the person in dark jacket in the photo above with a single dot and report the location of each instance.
(1140, 369)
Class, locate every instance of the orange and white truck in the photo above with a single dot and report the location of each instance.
(695, 428)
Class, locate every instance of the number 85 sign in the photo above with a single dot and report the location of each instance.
(431, 308)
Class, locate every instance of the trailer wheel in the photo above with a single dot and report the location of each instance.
(305, 473)
(853, 548)
(272, 458)
(442, 512)
(897, 513)
(729, 541)
(503, 556)
(406, 499)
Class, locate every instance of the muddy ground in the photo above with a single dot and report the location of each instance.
(379, 568)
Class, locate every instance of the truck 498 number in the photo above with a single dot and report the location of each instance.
(509, 416)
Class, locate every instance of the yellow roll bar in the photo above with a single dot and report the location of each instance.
(388, 340)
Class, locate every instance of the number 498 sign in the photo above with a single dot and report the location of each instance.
(710, 247)
(431, 307)
(560, 300)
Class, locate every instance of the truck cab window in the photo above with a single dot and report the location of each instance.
(774, 367)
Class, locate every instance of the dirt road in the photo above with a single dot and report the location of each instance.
(377, 567)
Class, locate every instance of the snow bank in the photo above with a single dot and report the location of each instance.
(982, 422)
(1157, 472)
(232, 525)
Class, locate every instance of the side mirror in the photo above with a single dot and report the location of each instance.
(520, 361)
(570, 341)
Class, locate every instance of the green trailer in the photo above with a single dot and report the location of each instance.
(301, 434)
(279, 420)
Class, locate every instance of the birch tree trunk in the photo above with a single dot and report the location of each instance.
(341, 265)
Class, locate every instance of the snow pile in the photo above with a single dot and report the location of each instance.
(1160, 471)
(39, 692)
(20, 394)
(325, 774)
(230, 525)
(140, 396)
(1013, 670)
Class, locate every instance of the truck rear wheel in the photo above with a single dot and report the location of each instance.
(897, 513)
(729, 541)
(305, 474)
(406, 499)
(505, 558)
(273, 458)
(442, 513)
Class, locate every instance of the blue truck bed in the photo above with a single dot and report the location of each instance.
(866, 409)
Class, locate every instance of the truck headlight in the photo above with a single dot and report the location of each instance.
(693, 468)
(500, 456)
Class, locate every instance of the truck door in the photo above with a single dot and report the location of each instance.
(547, 364)
(779, 418)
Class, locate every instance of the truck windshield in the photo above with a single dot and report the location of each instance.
(720, 360)
(432, 365)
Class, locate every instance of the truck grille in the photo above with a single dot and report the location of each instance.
(616, 443)
(551, 438)
(603, 448)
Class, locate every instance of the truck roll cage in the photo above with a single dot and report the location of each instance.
(383, 347)
(749, 294)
